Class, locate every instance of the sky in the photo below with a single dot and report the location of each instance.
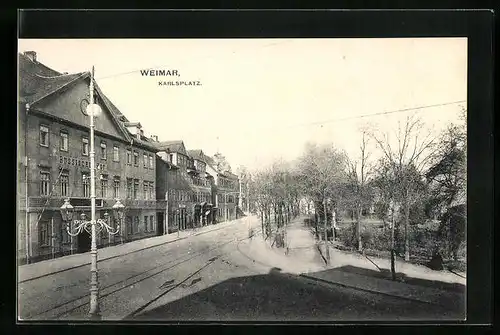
(263, 99)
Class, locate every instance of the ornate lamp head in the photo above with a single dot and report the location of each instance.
(93, 110)
(67, 211)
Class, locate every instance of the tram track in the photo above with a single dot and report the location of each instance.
(101, 261)
(113, 288)
(209, 262)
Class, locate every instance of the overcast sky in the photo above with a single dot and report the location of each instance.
(263, 99)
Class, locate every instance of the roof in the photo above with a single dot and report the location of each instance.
(173, 146)
(164, 161)
(144, 141)
(196, 154)
(209, 160)
(230, 175)
(37, 81)
(36, 67)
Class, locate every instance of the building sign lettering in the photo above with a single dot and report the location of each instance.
(72, 161)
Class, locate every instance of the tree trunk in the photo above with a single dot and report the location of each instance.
(393, 252)
(275, 215)
(327, 249)
(360, 241)
(262, 223)
(407, 232)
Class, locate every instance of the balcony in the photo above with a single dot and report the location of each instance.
(56, 202)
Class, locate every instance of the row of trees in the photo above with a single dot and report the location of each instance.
(415, 176)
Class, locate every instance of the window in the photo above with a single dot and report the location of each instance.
(44, 136)
(64, 184)
(171, 156)
(116, 187)
(44, 236)
(136, 188)
(45, 183)
(85, 146)
(151, 223)
(103, 150)
(116, 154)
(145, 160)
(104, 186)
(129, 156)
(146, 226)
(129, 188)
(86, 185)
(136, 224)
(129, 225)
(151, 163)
(64, 141)
(151, 190)
(146, 189)
(136, 158)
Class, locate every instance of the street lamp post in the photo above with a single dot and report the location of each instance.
(92, 227)
(93, 110)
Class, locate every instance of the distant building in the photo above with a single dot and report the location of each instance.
(228, 195)
(53, 163)
(202, 183)
(174, 184)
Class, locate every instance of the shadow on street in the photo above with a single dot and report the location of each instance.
(277, 296)
(402, 277)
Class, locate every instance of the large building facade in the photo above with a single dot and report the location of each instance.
(54, 164)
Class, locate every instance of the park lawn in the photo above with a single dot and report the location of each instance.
(376, 241)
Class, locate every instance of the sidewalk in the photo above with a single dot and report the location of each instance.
(339, 258)
(44, 268)
(304, 259)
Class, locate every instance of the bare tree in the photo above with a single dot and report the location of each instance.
(413, 152)
(221, 162)
(359, 192)
(322, 170)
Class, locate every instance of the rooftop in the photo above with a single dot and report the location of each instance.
(172, 146)
(37, 81)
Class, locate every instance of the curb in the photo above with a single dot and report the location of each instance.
(368, 290)
(119, 255)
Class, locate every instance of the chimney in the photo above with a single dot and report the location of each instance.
(154, 138)
(31, 55)
(138, 131)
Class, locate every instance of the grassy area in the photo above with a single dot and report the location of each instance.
(376, 242)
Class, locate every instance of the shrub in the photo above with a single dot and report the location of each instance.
(376, 239)
(346, 236)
